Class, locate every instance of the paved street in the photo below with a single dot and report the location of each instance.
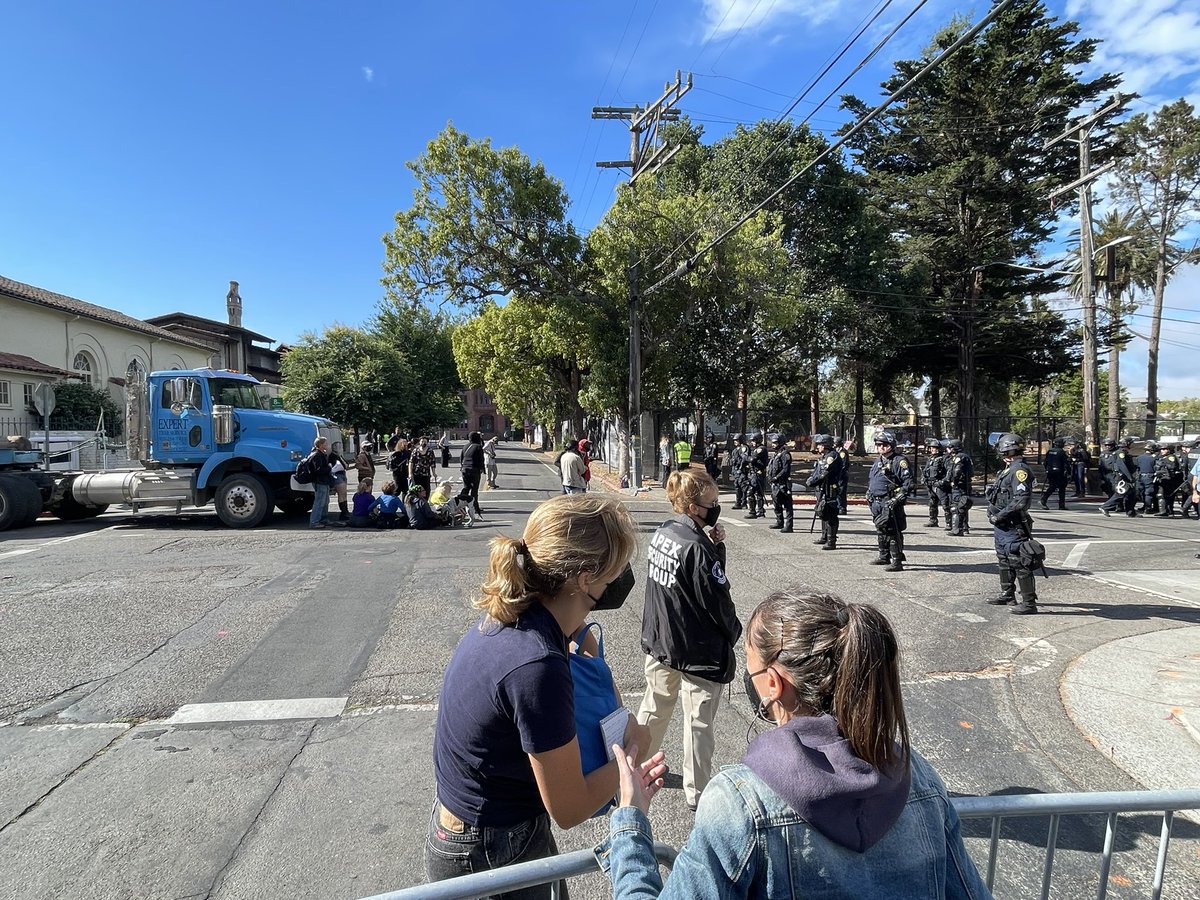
(146, 751)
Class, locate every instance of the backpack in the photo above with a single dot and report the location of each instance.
(304, 473)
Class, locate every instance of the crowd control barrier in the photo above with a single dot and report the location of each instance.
(994, 808)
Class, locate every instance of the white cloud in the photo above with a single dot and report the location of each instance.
(725, 17)
(368, 73)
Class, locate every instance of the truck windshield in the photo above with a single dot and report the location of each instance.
(235, 393)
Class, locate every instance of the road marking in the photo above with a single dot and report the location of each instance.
(1076, 555)
(970, 617)
(62, 540)
(1037, 654)
(735, 523)
(259, 710)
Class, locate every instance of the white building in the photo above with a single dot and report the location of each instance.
(46, 336)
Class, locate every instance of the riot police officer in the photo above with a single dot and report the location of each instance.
(757, 487)
(1145, 477)
(933, 474)
(1057, 463)
(1186, 461)
(839, 447)
(888, 485)
(1108, 452)
(1008, 511)
(1080, 460)
(1168, 476)
(739, 470)
(779, 475)
(959, 472)
(826, 480)
(1124, 484)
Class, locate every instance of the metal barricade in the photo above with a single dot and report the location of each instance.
(1110, 803)
(510, 878)
(995, 808)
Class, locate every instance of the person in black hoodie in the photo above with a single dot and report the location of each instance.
(471, 461)
(689, 625)
(832, 801)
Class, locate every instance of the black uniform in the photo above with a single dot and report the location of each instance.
(1105, 467)
(1080, 460)
(959, 471)
(889, 484)
(1124, 496)
(1145, 481)
(934, 475)
(757, 488)
(712, 461)
(826, 479)
(739, 471)
(1057, 464)
(1168, 476)
(1008, 511)
(779, 474)
(1186, 463)
(843, 479)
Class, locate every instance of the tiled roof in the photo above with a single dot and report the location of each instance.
(28, 364)
(89, 310)
(202, 324)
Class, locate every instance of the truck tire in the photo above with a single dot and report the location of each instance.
(71, 510)
(244, 500)
(20, 502)
(296, 505)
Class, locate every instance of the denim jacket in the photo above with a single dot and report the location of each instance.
(748, 842)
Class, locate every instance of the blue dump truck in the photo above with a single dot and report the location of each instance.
(200, 436)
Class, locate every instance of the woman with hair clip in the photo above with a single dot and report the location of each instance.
(506, 755)
(832, 801)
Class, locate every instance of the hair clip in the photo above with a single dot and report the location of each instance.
(843, 616)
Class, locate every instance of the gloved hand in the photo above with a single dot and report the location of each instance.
(992, 517)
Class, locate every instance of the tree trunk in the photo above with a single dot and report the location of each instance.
(935, 404)
(576, 409)
(699, 442)
(1114, 391)
(968, 410)
(741, 402)
(814, 402)
(1160, 286)
(859, 415)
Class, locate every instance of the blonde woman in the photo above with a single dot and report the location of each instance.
(506, 755)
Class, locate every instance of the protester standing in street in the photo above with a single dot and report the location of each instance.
(505, 749)
(689, 625)
(398, 465)
(489, 461)
(422, 465)
(572, 468)
(1008, 512)
(664, 459)
(471, 461)
(322, 479)
(444, 446)
(365, 461)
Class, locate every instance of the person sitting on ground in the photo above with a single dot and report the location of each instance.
(363, 500)
(506, 748)
(388, 508)
(832, 801)
(421, 515)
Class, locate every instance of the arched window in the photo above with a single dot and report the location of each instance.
(83, 367)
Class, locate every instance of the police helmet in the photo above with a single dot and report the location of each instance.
(1151, 446)
(954, 444)
(737, 438)
(1126, 443)
(1108, 442)
(1060, 442)
(755, 436)
(823, 440)
(885, 437)
(779, 441)
(1196, 444)
(932, 441)
(1010, 443)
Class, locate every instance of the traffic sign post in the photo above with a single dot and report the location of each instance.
(44, 402)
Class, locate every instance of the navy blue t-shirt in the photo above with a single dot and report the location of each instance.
(507, 693)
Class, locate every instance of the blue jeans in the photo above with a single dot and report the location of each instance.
(567, 489)
(320, 510)
(454, 848)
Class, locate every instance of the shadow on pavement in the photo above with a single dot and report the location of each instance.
(1123, 612)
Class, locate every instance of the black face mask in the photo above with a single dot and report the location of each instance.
(711, 514)
(618, 589)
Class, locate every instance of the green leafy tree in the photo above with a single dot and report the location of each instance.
(351, 376)
(1159, 180)
(79, 405)
(426, 340)
(960, 166)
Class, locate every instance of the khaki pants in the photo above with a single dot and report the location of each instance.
(664, 686)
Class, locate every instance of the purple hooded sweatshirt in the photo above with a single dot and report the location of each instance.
(809, 764)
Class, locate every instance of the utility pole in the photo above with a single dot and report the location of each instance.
(1081, 133)
(647, 153)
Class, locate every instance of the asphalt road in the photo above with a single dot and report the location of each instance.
(147, 751)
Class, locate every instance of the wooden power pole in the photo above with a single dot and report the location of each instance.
(647, 152)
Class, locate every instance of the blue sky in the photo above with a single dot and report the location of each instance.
(154, 151)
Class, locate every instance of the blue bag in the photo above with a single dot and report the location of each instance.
(595, 698)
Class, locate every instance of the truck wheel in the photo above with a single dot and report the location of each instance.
(18, 497)
(71, 510)
(296, 505)
(243, 500)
